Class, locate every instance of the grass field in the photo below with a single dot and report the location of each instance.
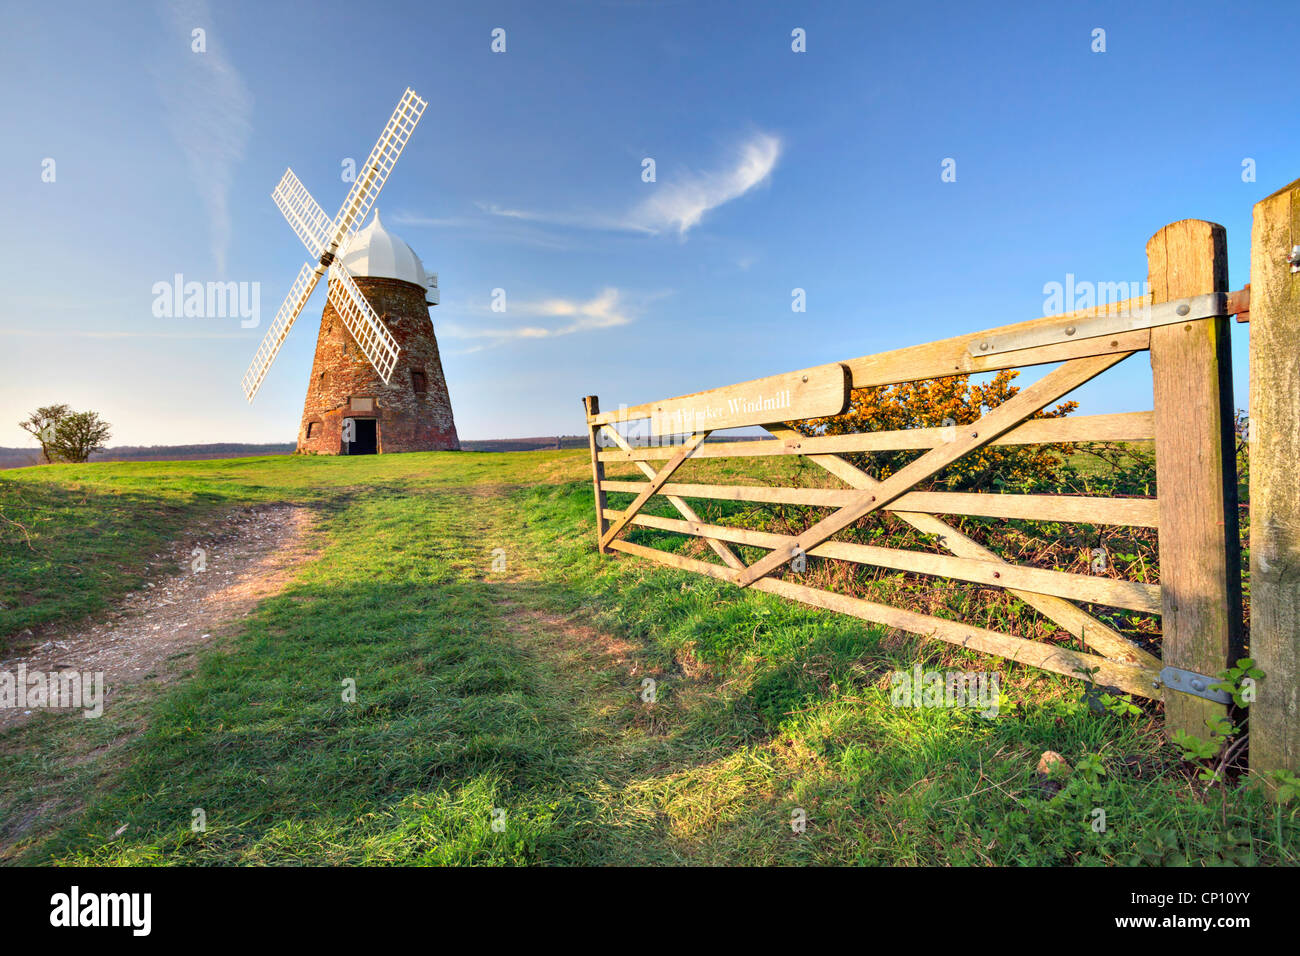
(514, 698)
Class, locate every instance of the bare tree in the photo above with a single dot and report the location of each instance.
(43, 425)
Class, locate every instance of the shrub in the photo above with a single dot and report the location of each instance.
(939, 403)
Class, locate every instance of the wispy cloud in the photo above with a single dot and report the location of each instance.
(682, 202)
(605, 311)
(679, 201)
(580, 220)
(208, 108)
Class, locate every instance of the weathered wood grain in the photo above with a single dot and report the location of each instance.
(1196, 477)
(1068, 509)
(592, 405)
(1001, 419)
(1093, 589)
(952, 356)
(1121, 426)
(810, 393)
(1274, 499)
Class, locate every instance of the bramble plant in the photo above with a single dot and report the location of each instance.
(1239, 681)
(1092, 767)
(1121, 706)
(1100, 701)
(1287, 785)
(1196, 749)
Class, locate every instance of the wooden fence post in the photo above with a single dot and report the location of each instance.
(592, 404)
(1274, 470)
(1196, 475)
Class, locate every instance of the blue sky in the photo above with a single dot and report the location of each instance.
(774, 170)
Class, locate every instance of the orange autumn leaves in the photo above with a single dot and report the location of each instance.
(937, 403)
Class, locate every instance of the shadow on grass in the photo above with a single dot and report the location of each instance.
(453, 728)
(479, 733)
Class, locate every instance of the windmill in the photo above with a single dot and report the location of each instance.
(327, 241)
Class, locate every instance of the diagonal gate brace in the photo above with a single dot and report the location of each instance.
(656, 483)
(1001, 419)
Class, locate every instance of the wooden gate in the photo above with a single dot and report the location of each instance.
(1182, 324)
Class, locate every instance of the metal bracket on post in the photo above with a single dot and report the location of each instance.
(1190, 682)
(1206, 306)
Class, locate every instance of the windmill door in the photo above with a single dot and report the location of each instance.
(365, 437)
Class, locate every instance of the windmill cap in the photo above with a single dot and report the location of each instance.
(374, 252)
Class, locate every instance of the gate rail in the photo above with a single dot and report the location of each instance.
(1182, 324)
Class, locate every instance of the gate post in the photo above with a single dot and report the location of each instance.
(1196, 474)
(1274, 472)
(592, 404)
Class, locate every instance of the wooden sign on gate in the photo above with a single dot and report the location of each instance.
(811, 393)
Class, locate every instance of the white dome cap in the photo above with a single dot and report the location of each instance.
(377, 253)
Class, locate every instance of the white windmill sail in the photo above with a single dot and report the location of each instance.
(305, 215)
(327, 239)
(367, 329)
(372, 176)
(299, 293)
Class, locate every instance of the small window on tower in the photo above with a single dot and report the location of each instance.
(312, 429)
(418, 383)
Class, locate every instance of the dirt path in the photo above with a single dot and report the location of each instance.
(248, 555)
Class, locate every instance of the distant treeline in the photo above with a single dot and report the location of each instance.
(22, 457)
(525, 444)
(577, 441)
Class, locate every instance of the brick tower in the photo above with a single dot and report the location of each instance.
(413, 411)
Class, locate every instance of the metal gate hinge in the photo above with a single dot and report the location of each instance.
(1068, 330)
(1239, 303)
(1190, 682)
